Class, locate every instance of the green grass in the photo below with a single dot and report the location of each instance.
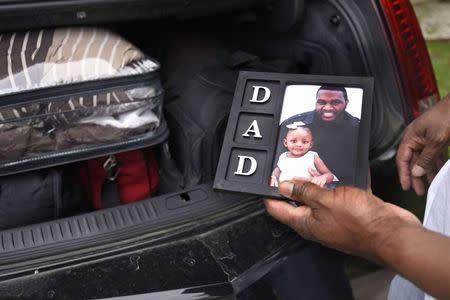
(440, 58)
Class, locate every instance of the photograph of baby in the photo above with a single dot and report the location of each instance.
(318, 135)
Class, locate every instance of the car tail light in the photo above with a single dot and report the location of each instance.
(416, 71)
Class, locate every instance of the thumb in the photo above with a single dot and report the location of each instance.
(425, 160)
(298, 218)
(303, 191)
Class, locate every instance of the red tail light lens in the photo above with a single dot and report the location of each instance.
(416, 71)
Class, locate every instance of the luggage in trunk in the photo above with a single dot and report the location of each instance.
(74, 93)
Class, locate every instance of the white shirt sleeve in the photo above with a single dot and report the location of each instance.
(437, 210)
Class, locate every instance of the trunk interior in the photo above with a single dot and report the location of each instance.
(205, 53)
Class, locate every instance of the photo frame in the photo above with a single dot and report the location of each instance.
(286, 126)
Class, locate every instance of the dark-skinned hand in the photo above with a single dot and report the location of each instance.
(347, 219)
(421, 149)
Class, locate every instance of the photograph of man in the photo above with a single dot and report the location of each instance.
(335, 130)
(331, 114)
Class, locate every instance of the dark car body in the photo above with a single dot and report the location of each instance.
(196, 243)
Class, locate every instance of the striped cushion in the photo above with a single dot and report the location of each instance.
(44, 58)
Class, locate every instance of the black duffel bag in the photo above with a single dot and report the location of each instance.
(37, 196)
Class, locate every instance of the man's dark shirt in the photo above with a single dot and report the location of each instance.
(335, 142)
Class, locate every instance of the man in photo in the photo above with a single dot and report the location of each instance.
(299, 162)
(335, 131)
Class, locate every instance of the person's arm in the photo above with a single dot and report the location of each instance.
(422, 256)
(422, 145)
(324, 174)
(357, 222)
(274, 178)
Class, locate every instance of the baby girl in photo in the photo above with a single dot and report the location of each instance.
(299, 162)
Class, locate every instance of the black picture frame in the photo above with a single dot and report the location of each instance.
(249, 149)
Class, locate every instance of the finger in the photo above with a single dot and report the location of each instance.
(303, 191)
(403, 160)
(289, 215)
(432, 172)
(426, 160)
(280, 210)
(318, 181)
(441, 159)
(437, 165)
(418, 185)
(431, 175)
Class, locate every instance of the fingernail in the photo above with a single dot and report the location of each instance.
(286, 188)
(403, 184)
(417, 171)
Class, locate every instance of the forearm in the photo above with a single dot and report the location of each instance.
(276, 172)
(420, 255)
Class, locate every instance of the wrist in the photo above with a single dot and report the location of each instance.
(393, 240)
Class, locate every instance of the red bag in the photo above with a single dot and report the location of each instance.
(120, 178)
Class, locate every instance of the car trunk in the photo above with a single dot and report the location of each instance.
(207, 237)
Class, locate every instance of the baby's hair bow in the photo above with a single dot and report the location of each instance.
(296, 125)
